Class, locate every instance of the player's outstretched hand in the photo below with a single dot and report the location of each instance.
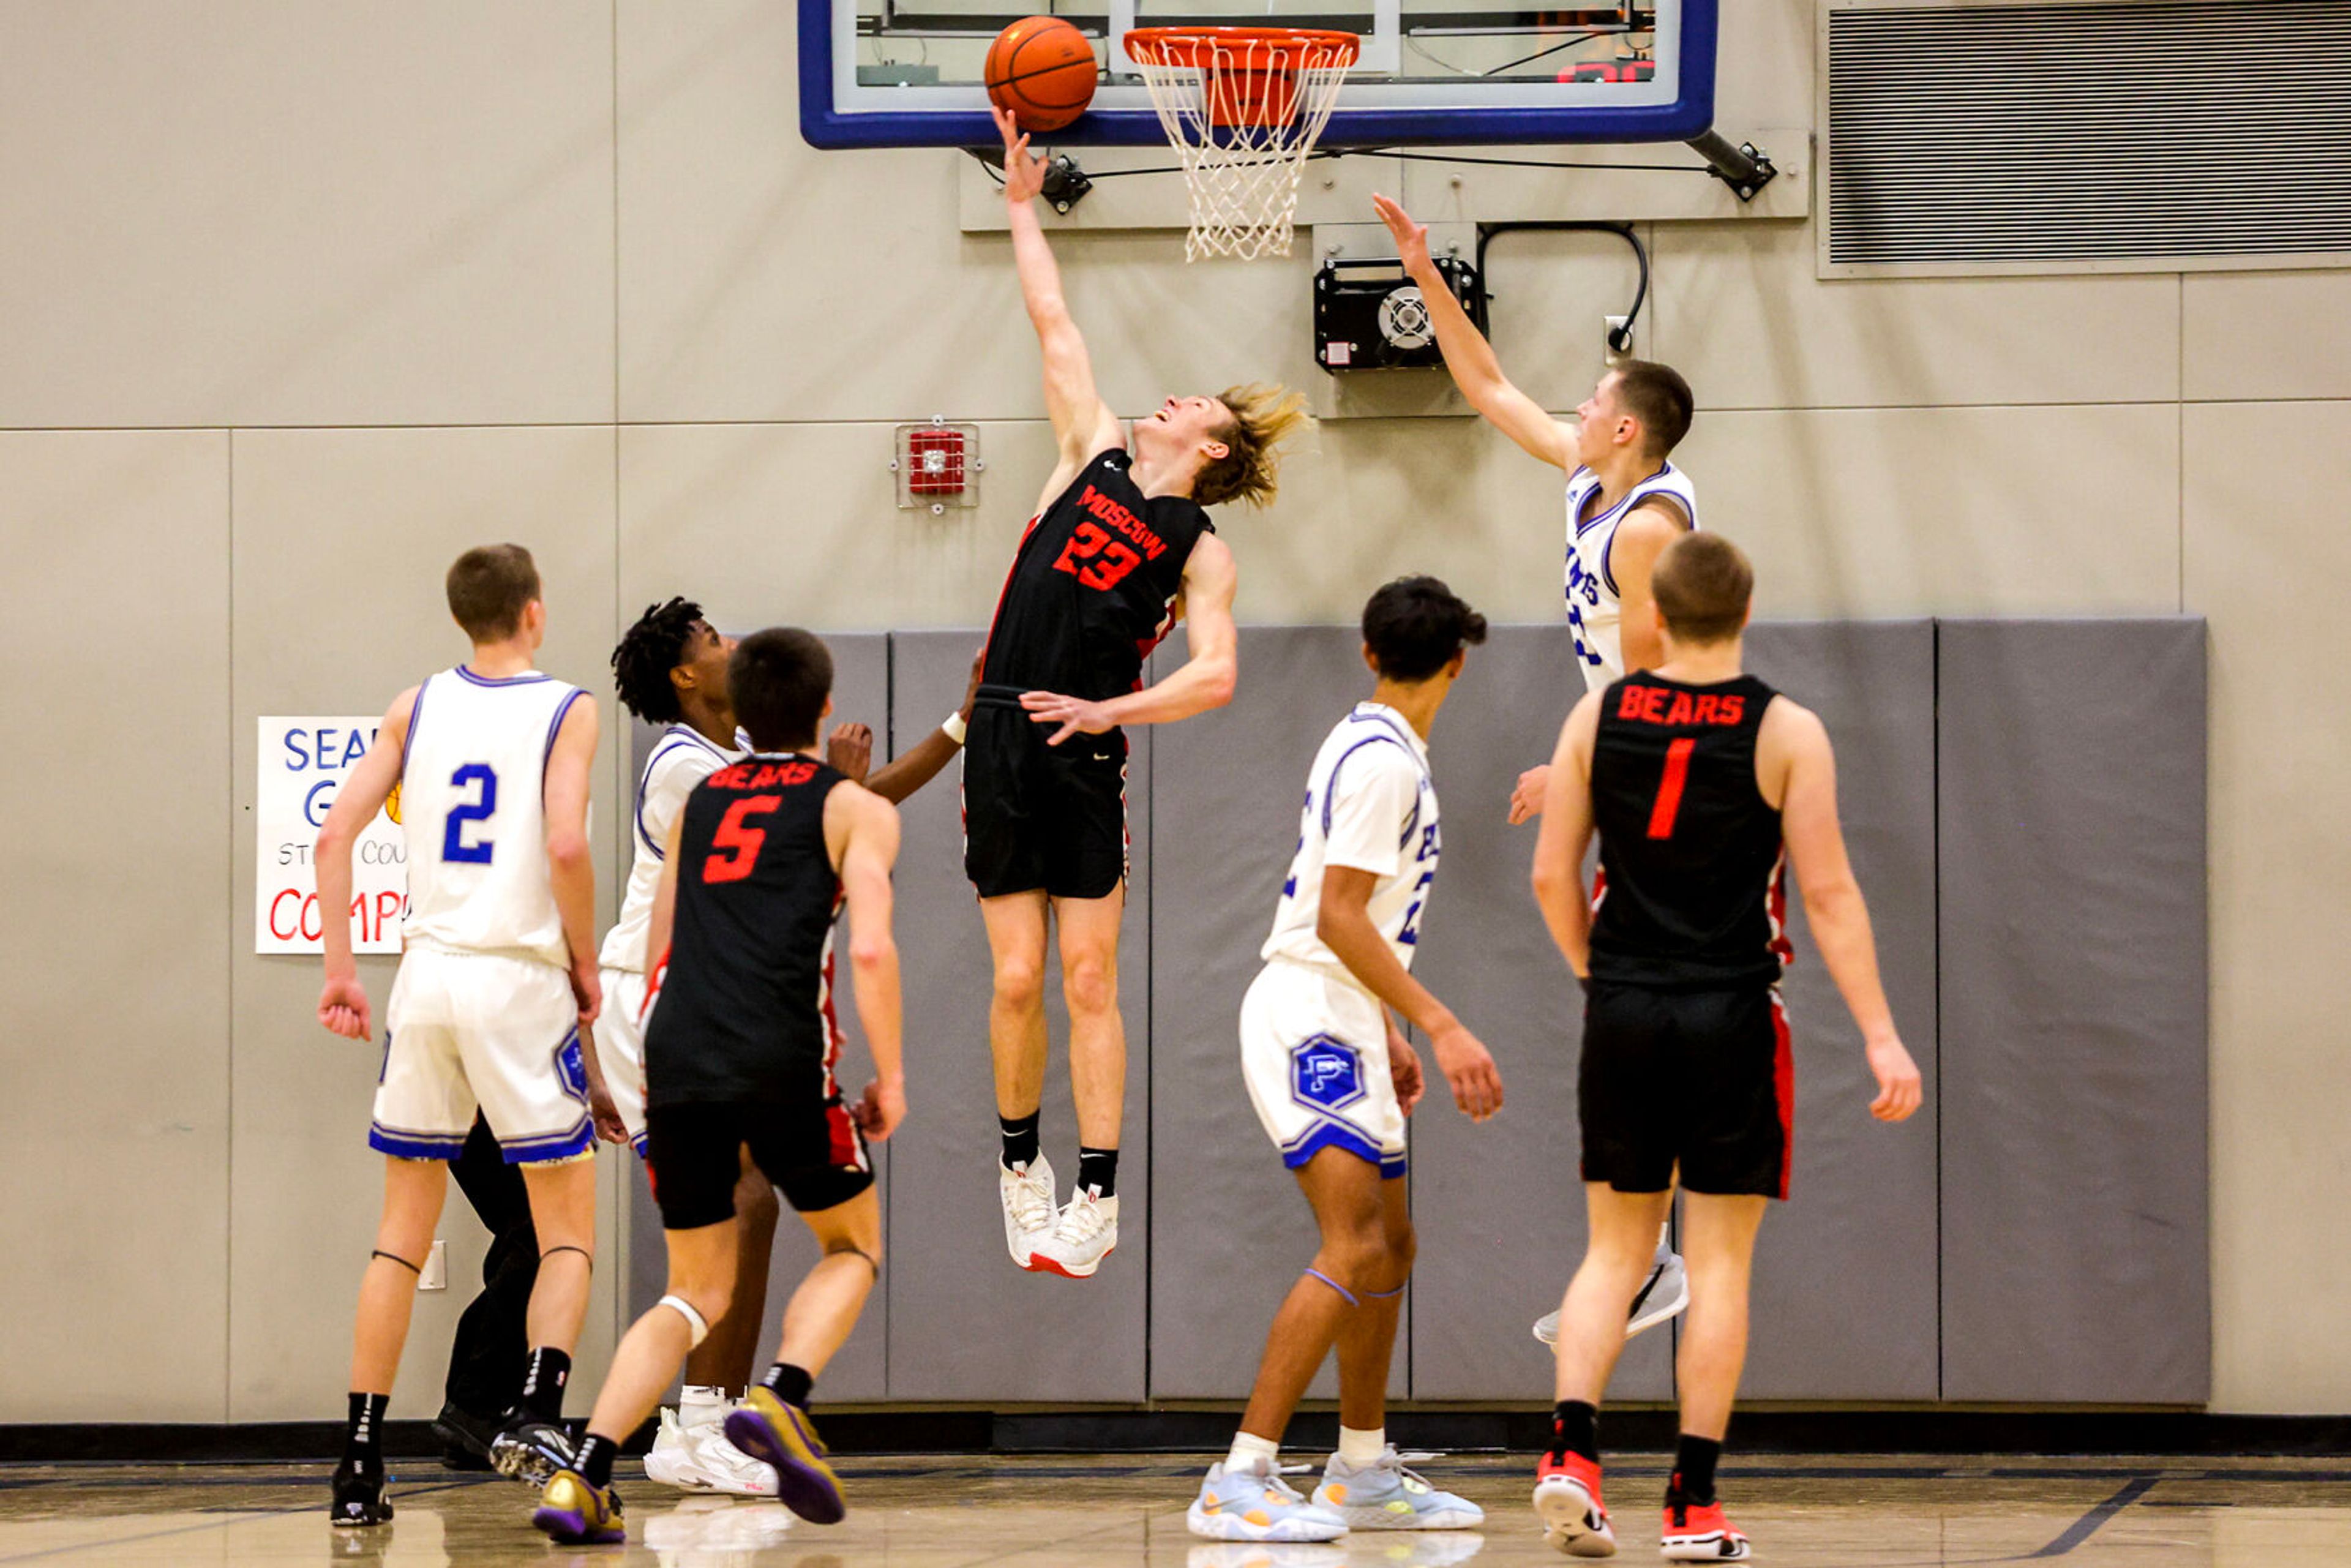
(1073, 713)
(343, 1008)
(586, 991)
(1898, 1089)
(851, 750)
(881, 1109)
(1024, 176)
(1404, 1071)
(1526, 798)
(1411, 238)
(1469, 1068)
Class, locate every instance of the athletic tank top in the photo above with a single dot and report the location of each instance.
(1595, 611)
(1371, 805)
(1094, 586)
(683, 758)
(473, 779)
(1690, 894)
(743, 1007)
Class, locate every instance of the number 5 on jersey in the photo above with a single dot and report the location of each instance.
(741, 845)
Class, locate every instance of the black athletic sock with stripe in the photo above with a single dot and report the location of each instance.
(1693, 1479)
(1020, 1138)
(542, 1385)
(789, 1384)
(595, 1459)
(1575, 1429)
(1098, 1171)
(363, 1433)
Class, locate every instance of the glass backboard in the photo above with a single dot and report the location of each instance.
(907, 73)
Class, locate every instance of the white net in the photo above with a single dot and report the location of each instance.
(1243, 109)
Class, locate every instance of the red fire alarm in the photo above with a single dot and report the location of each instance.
(938, 464)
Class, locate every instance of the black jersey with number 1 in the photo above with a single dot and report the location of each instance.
(1690, 851)
(1091, 590)
(744, 1011)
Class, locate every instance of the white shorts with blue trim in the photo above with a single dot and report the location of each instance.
(620, 1049)
(1314, 1054)
(468, 1030)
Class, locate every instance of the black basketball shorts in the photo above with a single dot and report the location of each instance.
(1039, 816)
(1699, 1079)
(812, 1152)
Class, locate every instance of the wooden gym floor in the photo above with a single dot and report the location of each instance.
(1128, 1513)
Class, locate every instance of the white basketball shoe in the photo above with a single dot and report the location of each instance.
(1025, 1191)
(691, 1453)
(1086, 1233)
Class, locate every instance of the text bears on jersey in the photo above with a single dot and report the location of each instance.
(1650, 705)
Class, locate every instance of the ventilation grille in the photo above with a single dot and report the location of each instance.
(2079, 136)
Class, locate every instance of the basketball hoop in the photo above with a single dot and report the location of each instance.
(1243, 107)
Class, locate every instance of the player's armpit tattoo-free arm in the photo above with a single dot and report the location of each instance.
(663, 917)
(1468, 357)
(343, 1004)
(871, 850)
(924, 760)
(571, 869)
(1633, 555)
(1566, 834)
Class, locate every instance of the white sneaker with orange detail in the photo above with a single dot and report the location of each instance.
(1253, 1503)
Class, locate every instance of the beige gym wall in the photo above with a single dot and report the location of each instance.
(299, 300)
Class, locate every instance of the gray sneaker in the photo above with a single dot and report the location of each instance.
(1256, 1504)
(1384, 1495)
(1664, 1294)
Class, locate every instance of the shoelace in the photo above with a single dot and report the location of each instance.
(1032, 1206)
(1081, 1221)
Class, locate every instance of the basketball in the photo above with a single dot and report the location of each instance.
(1042, 70)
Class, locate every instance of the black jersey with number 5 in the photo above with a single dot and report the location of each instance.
(744, 1006)
(1094, 586)
(1689, 893)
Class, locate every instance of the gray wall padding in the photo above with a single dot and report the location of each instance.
(2073, 1011)
(1499, 1207)
(861, 693)
(964, 1324)
(1233, 1231)
(1845, 1284)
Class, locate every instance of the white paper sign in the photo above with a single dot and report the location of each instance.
(303, 762)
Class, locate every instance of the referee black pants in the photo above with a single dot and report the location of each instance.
(487, 1359)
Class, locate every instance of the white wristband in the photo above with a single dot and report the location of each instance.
(954, 727)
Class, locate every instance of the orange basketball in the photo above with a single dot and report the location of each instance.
(1042, 69)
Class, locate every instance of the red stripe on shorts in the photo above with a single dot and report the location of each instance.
(1784, 1084)
(842, 1135)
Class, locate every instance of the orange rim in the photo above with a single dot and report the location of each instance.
(1260, 47)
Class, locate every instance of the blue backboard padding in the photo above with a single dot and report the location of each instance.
(824, 125)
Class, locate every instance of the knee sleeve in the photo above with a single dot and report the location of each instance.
(697, 1327)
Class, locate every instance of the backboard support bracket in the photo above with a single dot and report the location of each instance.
(1744, 167)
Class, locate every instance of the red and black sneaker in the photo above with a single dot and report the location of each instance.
(1699, 1533)
(1567, 1497)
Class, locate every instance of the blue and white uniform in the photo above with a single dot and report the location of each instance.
(1314, 1039)
(680, 759)
(481, 1012)
(1596, 611)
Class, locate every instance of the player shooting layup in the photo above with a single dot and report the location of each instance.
(497, 978)
(1625, 503)
(1119, 549)
(1700, 781)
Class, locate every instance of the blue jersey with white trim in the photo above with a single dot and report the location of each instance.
(1596, 610)
(1371, 806)
(473, 781)
(683, 758)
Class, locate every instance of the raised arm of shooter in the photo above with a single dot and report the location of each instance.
(1566, 834)
(865, 827)
(1793, 739)
(573, 873)
(342, 1002)
(1344, 922)
(1468, 356)
(1081, 424)
(1205, 681)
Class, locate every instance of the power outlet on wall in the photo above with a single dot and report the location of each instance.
(435, 1275)
(1610, 327)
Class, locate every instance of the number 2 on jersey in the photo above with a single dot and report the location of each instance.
(1108, 561)
(1669, 788)
(480, 809)
(742, 843)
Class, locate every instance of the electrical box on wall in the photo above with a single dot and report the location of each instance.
(1369, 314)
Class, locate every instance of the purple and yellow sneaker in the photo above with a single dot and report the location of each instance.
(574, 1513)
(782, 1438)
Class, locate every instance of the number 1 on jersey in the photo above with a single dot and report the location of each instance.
(742, 843)
(1669, 788)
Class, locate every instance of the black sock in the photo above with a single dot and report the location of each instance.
(1020, 1138)
(595, 1459)
(789, 1384)
(1575, 1429)
(542, 1385)
(363, 1435)
(1098, 1170)
(1693, 1479)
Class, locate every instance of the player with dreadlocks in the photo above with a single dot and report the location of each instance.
(670, 670)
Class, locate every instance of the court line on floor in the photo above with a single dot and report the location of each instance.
(2086, 1526)
(244, 1516)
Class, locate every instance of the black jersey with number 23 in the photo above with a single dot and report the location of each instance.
(1690, 851)
(1091, 590)
(745, 1008)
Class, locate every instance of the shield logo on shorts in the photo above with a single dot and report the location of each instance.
(1326, 1072)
